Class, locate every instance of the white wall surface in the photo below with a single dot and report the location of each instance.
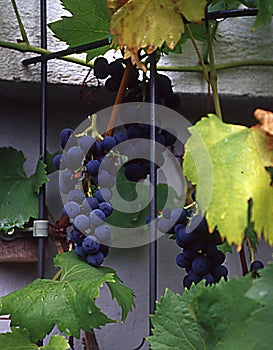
(234, 42)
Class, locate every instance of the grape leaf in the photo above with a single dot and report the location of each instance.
(265, 12)
(238, 159)
(148, 24)
(89, 22)
(19, 339)
(18, 192)
(218, 317)
(68, 303)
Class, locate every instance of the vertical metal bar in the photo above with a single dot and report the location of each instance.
(43, 135)
(153, 194)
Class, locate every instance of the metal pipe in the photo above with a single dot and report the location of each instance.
(43, 136)
(153, 194)
(69, 51)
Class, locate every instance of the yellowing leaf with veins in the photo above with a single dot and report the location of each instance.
(238, 159)
(148, 24)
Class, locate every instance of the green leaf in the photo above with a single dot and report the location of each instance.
(89, 22)
(123, 295)
(68, 303)
(265, 11)
(148, 24)
(18, 192)
(238, 159)
(19, 339)
(214, 318)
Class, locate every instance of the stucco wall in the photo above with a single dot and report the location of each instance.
(234, 42)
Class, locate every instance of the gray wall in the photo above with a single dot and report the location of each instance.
(19, 115)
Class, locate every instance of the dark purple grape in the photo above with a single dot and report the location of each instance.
(256, 265)
(93, 167)
(103, 195)
(182, 261)
(95, 259)
(57, 161)
(220, 271)
(65, 135)
(76, 236)
(135, 131)
(134, 172)
(80, 252)
(187, 282)
(101, 68)
(97, 217)
(108, 143)
(209, 279)
(90, 245)
(107, 208)
(201, 265)
(120, 137)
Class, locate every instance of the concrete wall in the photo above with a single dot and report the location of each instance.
(234, 42)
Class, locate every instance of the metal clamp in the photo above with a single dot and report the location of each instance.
(40, 228)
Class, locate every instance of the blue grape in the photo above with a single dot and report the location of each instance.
(95, 259)
(103, 234)
(178, 216)
(218, 258)
(57, 161)
(80, 252)
(134, 172)
(209, 279)
(103, 195)
(76, 236)
(90, 245)
(93, 167)
(120, 137)
(170, 137)
(220, 271)
(164, 225)
(201, 265)
(194, 277)
(101, 68)
(72, 209)
(75, 157)
(76, 196)
(105, 179)
(135, 131)
(184, 239)
(90, 203)
(187, 282)
(256, 265)
(107, 208)
(182, 261)
(108, 143)
(65, 135)
(97, 149)
(97, 217)
(81, 222)
(86, 142)
(160, 139)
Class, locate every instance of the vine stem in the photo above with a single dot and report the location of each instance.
(213, 74)
(21, 26)
(24, 47)
(57, 275)
(243, 260)
(118, 99)
(201, 60)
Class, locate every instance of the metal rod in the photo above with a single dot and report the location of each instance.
(69, 51)
(153, 195)
(43, 136)
(231, 13)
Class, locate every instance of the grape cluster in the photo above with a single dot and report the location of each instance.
(200, 256)
(137, 89)
(83, 163)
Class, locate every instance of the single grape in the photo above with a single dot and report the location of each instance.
(86, 142)
(75, 157)
(90, 203)
(120, 137)
(81, 222)
(184, 239)
(182, 261)
(76, 236)
(103, 195)
(201, 265)
(95, 259)
(178, 216)
(209, 279)
(101, 68)
(97, 149)
(108, 143)
(116, 70)
(72, 209)
(218, 258)
(97, 217)
(187, 282)
(160, 139)
(80, 252)
(170, 137)
(112, 84)
(57, 161)
(135, 131)
(177, 227)
(194, 277)
(93, 167)
(65, 135)
(105, 179)
(256, 265)
(163, 85)
(164, 225)
(103, 234)
(90, 245)
(76, 196)
(134, 172)
(220, 271)
(106, 207)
